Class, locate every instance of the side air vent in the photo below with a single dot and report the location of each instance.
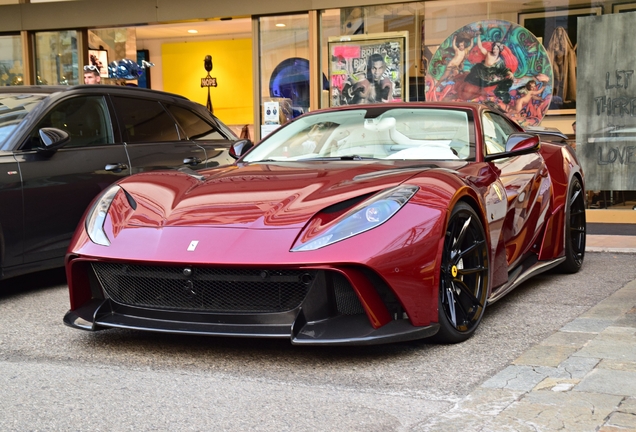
(347, 300)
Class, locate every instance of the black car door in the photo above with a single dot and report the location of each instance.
(59, 185)
(153, 140)
(10, 211)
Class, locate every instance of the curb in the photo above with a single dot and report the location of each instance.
(610, 249)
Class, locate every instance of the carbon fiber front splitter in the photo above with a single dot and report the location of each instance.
(339, 330)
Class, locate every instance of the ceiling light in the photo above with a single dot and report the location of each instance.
(193, 31)
(280, 25)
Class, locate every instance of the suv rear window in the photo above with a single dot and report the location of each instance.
(194, 126)
(144, 121)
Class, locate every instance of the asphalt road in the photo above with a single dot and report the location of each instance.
(53, 377)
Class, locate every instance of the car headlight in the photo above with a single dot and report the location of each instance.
(95, 220)
(363, 217)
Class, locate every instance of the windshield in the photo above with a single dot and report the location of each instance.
(402, 133)
(14, 107)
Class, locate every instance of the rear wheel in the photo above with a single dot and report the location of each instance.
(575, 229)
(463, 277)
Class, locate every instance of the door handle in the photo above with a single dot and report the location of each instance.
(117, 167)
(192, 161)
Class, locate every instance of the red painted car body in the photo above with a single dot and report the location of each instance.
(244, 250)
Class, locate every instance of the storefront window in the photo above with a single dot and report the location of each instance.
(523, 58)
(284, 68)
(109, 45)
(425, 50)
(11, 67)
(352, 38)
(56, 58)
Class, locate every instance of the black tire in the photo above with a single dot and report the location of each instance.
(575, 229)
(463, 276)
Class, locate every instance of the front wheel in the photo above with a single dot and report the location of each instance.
(575, 229)
(464, 276)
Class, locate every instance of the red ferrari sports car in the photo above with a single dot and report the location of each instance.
(357, 225)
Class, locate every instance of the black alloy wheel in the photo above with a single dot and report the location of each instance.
(575, 228)
(464, 276)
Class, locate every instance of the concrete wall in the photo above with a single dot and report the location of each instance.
(99, 13)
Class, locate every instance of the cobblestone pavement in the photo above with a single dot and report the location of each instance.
(581, 378)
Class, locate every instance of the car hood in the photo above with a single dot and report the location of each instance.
(256, 196)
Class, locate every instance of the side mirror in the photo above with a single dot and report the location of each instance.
(239, 148)
(53, 138)
(522, 143)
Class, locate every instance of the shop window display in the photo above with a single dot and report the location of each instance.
(519, 59)
(290, 80)
(11, 66)
(368, 27)
(495, 62)
(56, 58)
(284, 48)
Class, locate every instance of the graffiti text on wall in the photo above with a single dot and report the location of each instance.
(616, 154)
(618, 106)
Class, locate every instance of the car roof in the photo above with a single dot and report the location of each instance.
(101, 88)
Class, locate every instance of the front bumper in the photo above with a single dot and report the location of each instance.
(349, 305)
(338, 330)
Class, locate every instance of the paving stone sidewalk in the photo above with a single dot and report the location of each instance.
(581, 378)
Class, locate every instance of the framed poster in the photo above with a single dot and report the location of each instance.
(368, 68)
(99, 58)
(557, 29)
(623, 7)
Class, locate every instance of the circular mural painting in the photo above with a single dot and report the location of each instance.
(493, 61)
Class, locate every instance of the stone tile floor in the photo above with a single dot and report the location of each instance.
(581, 378)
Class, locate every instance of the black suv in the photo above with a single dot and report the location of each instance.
(61, 146)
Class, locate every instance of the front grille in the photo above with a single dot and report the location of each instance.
(205, 289)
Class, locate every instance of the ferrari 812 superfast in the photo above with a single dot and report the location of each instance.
(358, 225)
